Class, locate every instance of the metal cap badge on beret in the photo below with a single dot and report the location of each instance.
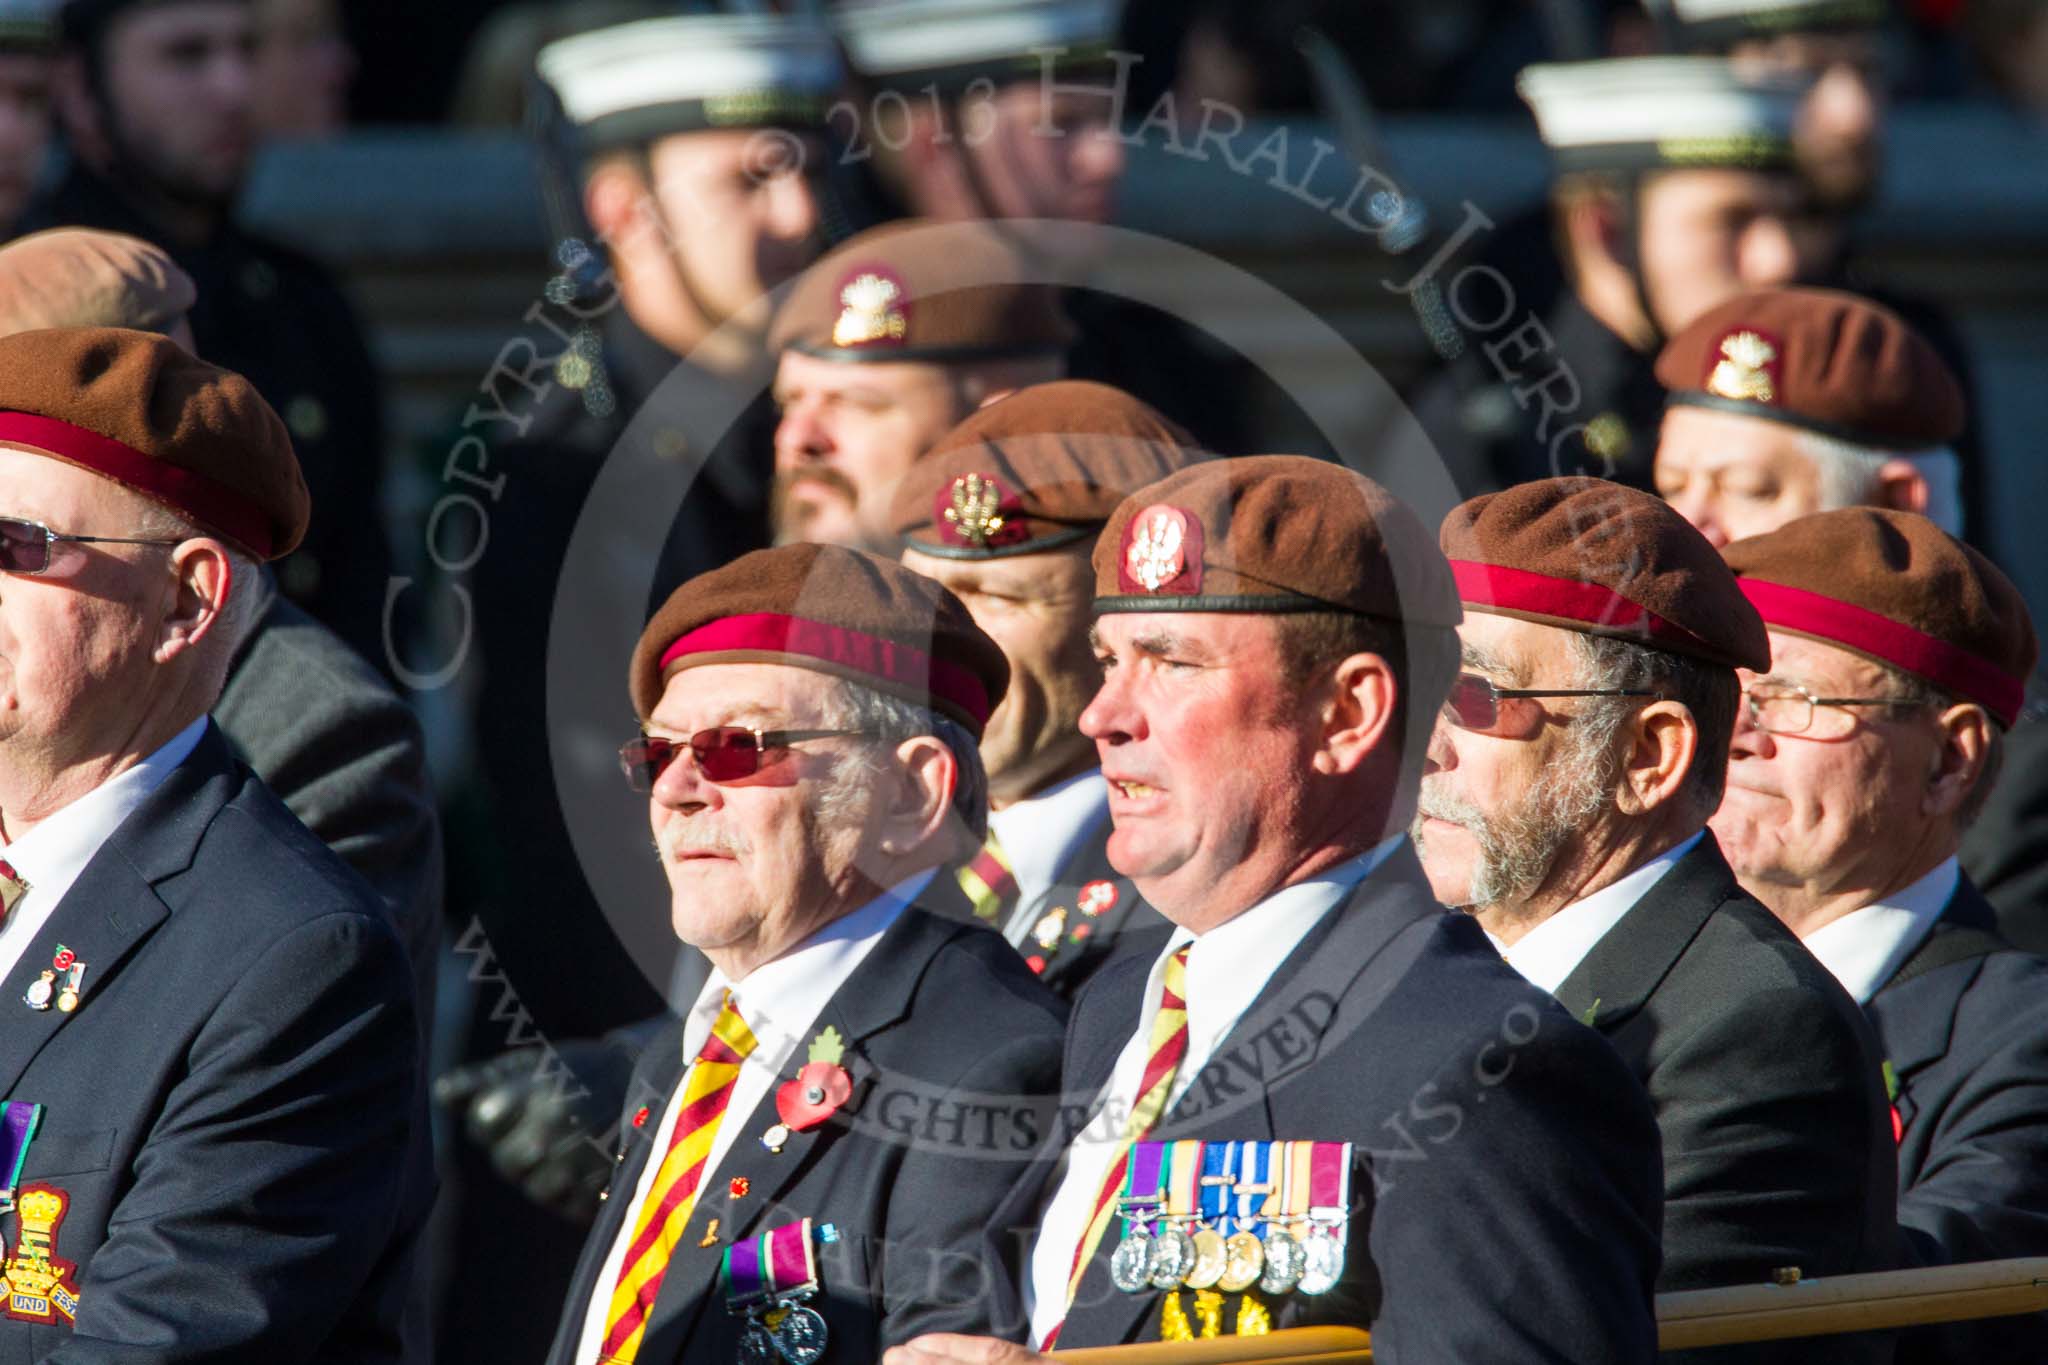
(1896, 588)
(1604, 559)
(1039, 469)
(913, 43)
(1647, 113)
(940, 293)
(137, 408)
(633, 82)
(834, 610)
(1820, 359)
(1272, 534)
(82, 277)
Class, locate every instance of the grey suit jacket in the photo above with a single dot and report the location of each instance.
(345, 755)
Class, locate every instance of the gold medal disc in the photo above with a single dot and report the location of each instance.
(1210, 1258)
(1244, 1260)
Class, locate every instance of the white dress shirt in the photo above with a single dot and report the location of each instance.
(1550, 952)
(1040, 833)
(1227, 969)
(779, 1002)
(1865, 947)
(51, 856)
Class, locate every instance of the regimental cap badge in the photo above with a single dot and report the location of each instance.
(1162, 552)
(1746, 369)
(977, 511)
(873, 309)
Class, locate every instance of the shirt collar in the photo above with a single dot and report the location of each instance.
(1040, 833)
(1549, 953)
(783, 997)
(1865, 948)
(1230, 965)
(56, 851)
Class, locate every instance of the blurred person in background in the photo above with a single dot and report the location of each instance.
(304, 66)
(1004, 110)
(157, 104)
(28, 39)
(2009, 39)
(1676, 187)
(1795, 401)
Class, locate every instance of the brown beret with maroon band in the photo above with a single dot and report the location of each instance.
(1603, 559)
(1272, 534)
(834, 610)
(922, 290)
(1034, 471)
(1896, 588)
(137, 408)
(1820, 359)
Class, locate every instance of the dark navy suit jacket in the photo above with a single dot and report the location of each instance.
(954, 1050)
(1505, 1191)
(1968, 1041)
(235, 1111)
(1765, 1076)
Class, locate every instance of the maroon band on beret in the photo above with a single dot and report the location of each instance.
(1495, 585)
(1941, 663)
(855, 650)
(187, 491)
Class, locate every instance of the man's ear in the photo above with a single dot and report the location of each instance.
(1966, 738)
(1664, 744)
(202, 576)
(1902, 487)
(917, 799)
(1592, 220)
(612, 197)
(1358, 714)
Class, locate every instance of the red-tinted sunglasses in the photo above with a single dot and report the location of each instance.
(25, 545)
(1476, 704)
(724, 753)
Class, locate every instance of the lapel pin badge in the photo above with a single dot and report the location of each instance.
(59, 983)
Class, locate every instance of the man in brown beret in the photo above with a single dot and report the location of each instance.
(212, 1043)
(1004, 512)
(322, 729)
(1564, 807)
(1796, 401)
(1898, 660)
(868, 1078)
(884, 346)
(1789, 401)
(1276, 634)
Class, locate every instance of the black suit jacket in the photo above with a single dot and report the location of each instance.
(1968, 1042)
(1505, 1191)
(954, 1052)
(1765, 1078)
(235, 1109)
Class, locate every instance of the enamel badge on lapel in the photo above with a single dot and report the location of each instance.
(820, 1087)
(60, 982)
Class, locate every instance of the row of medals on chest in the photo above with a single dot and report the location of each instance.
(1162, 1250)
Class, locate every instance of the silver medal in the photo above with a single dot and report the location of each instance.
(1130, 1267)
(800, 1336)
(1323, 1263)
(1285, 1261)
(1173, 1256)
(756, 1346)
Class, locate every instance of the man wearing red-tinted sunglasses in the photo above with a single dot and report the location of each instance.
(809, 726)
(1564, 805)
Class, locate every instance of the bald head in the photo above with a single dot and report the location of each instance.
(78, 277)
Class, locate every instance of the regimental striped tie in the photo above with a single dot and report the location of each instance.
(1169, 1046)
(990, 884)
(706, 1091)
(12, 887)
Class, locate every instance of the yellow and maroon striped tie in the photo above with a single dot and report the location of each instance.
(706, 1092)
(989, 882)
(1169, 1046)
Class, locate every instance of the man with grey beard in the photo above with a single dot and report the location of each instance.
(1564, 805)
